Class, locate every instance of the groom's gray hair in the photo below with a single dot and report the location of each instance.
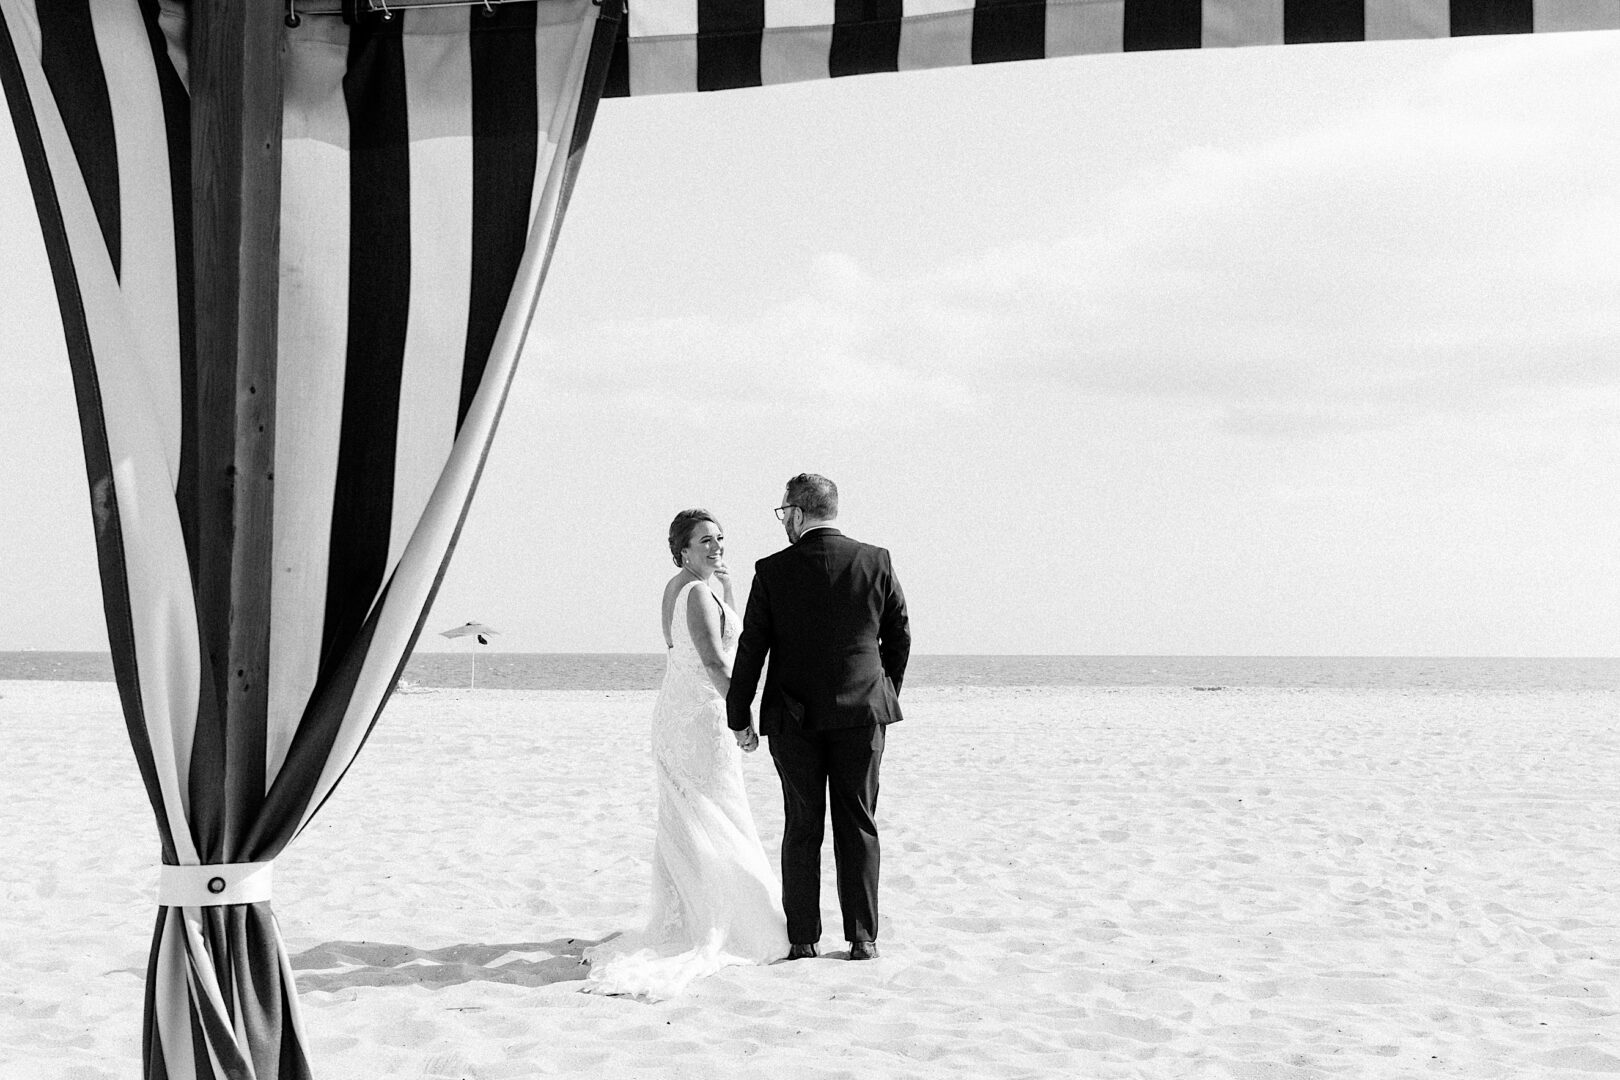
(816, 495)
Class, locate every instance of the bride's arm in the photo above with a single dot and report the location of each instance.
(703, 622)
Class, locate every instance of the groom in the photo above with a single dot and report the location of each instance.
(830, 614)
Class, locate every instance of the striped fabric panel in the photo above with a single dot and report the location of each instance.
(130, 431)
(677, 46)
(426, 167)
(353, 686)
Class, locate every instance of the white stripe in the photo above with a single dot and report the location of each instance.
(146, 208)
(294, 1016)
(172, 997)
(663, 18)
(1080, 27)
(913, 8)
(312, 342)
(1553, 15)
(663, 66)
(795, 54)
(799, 13)
(1391, 20)
(413, 579)
(555, 48)
(438, 75)
(942, 40)
(1230, 23)
(174, 19)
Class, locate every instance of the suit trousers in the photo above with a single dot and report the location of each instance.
(837, 768)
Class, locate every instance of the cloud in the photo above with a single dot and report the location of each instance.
(1442, 248)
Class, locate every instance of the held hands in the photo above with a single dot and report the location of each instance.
(747, 739)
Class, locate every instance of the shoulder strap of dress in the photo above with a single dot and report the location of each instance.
(718, 603)
(677, 610)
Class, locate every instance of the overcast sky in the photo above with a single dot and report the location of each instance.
(1303, 350)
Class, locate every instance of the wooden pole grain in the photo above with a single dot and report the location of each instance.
(236, 70)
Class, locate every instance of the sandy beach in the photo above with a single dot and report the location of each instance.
(1096, 883)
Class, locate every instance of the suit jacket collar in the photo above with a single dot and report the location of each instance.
(819, 530)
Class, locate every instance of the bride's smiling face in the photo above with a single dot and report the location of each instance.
(705, 549)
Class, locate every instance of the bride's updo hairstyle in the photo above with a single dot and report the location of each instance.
(680, 530)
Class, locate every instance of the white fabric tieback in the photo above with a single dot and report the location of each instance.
(214, 886)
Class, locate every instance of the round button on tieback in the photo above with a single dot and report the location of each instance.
(216, 885)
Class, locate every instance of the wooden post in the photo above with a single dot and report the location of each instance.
(236, 64)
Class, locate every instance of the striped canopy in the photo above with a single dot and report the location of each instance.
(425, 162)
(672, 46)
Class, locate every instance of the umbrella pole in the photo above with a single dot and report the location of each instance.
(474, 654)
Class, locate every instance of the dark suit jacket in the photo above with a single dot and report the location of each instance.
(830, 614)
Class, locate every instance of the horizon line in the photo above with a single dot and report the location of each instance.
(947, 655)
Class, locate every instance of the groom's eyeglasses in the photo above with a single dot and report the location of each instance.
(781, 511)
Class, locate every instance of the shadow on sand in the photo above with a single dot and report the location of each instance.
(340, 964)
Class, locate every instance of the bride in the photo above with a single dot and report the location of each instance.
(715, 900)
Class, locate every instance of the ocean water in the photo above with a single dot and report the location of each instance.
(642, 671)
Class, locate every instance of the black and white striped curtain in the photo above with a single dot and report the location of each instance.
(674, 46)
(426, 164)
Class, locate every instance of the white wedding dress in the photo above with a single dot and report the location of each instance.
(715, 899)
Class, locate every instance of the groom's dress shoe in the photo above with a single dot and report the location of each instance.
(801, 952)
(863, 950)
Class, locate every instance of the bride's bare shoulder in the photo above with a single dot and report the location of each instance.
(675, 584)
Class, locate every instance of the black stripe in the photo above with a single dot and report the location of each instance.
(110, 560)
(1471, 17)
(618, 74)
(379, 303)
(505, 148)
(1306, 21)
(199, 1042)
(730, 35)
(155, 1068)
(72, 63)
(606, 35)
(294, 1062)
(177, 129)
(205, 771)
(1163, 24)
(262, 991)
(1008, 30)
(865, 37)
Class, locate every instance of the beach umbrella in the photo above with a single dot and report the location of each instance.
(281, 446)
(477, 631)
